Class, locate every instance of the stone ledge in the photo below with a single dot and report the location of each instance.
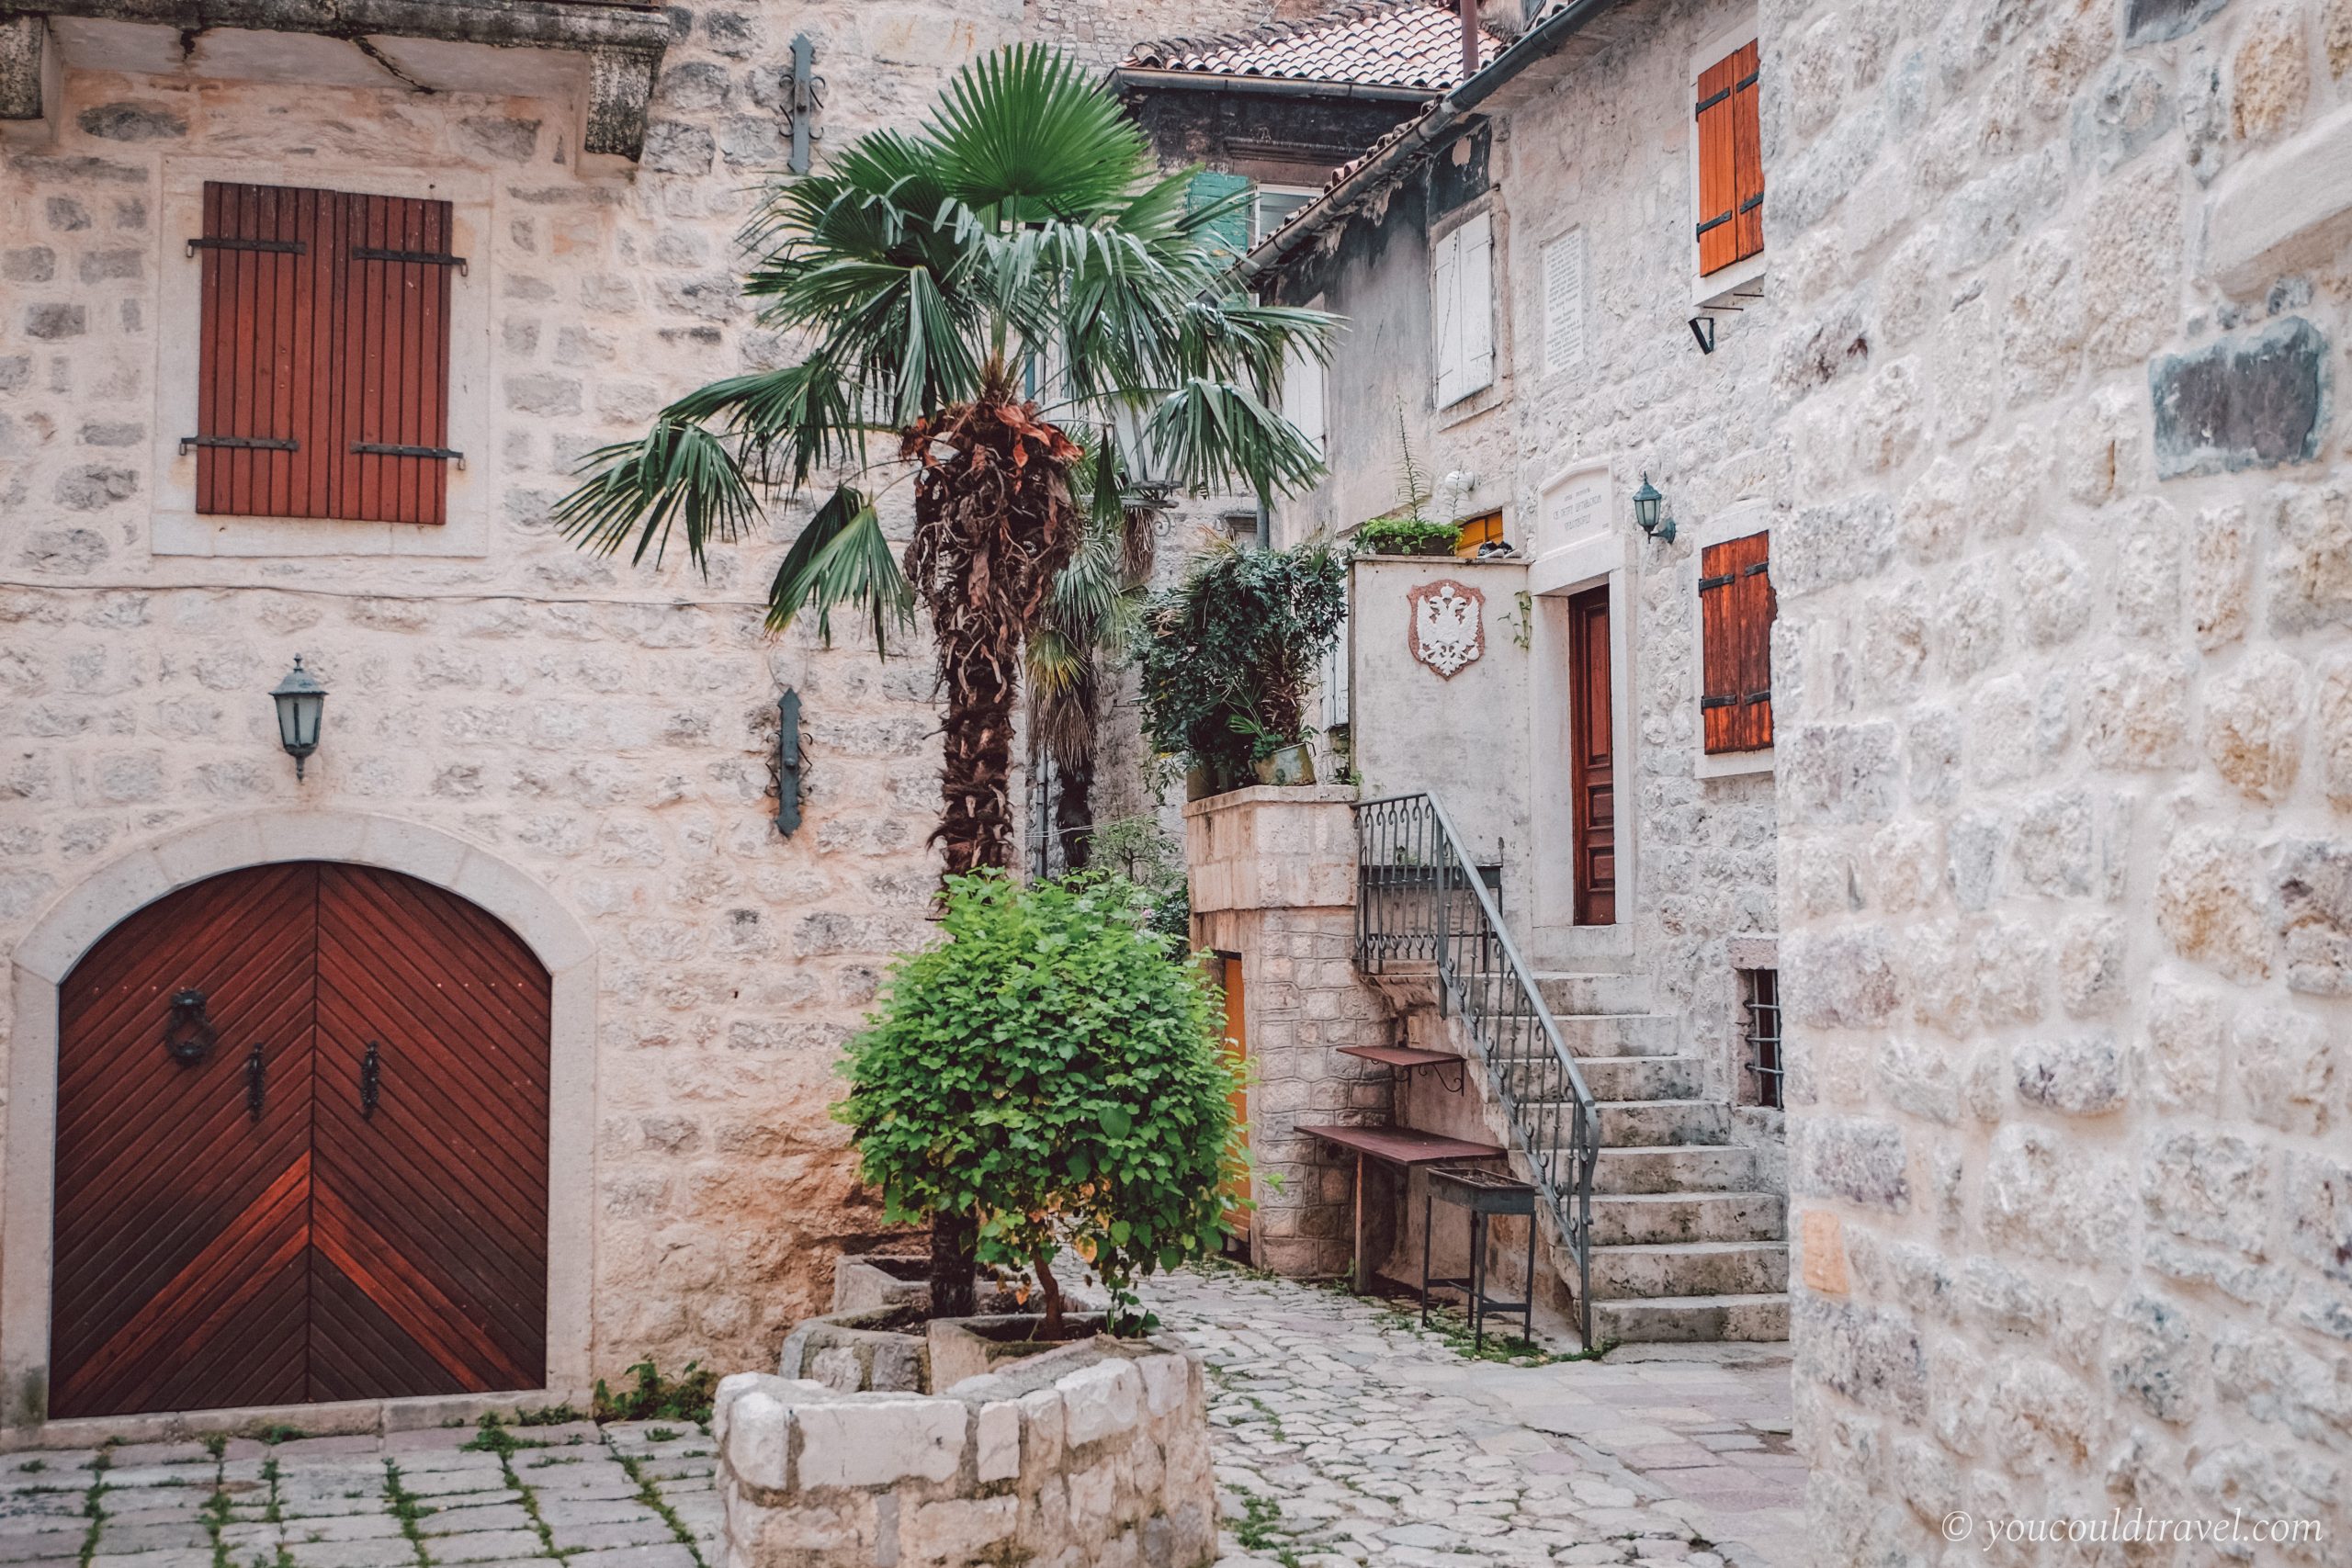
(1272, 847)
(1103, 1462)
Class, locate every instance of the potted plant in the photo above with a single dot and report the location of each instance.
(1048, 1072)
(1228, 661)
(1407, 536)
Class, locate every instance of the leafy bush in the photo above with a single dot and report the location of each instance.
(1047, 1070)
(1228, 657)
(656, 1398)
(1407, 536)
(1147, 854)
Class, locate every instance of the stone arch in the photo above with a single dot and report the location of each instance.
(63, 932)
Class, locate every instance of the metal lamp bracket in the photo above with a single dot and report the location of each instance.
(789, 761)
(806, 96)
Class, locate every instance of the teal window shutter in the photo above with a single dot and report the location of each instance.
(1230, 232)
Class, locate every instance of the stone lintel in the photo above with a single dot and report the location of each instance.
(30, 73)
(2282, 211)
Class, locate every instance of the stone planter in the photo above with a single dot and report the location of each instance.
(880, 1349)
(875, 1279)
(962, 1348)
(1091, 1454)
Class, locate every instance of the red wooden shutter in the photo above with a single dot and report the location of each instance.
(1735, 609)
(324, 357)
(1731, 163)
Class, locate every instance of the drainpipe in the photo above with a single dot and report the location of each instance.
(1469, 38)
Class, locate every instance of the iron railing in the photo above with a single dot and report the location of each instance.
(1420, 901)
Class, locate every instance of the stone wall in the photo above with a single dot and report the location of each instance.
(2066, 763)
(606, 731)
(1273, 878)
(1095, 1455)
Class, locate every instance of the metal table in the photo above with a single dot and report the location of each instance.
(1402, 1147)
(1485, 1193)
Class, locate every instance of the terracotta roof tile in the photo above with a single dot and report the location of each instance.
(1389, 43)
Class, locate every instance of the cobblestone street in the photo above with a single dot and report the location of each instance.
(631, 1496)
(1345, 1435)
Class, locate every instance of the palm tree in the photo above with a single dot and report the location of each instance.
(995, 297)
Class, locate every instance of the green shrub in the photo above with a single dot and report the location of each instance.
(1407, 536)
(685, 1397)
(1047, 1071)
(1228, 658)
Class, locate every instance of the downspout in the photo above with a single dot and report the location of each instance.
(1141, 77)
(1440, 119)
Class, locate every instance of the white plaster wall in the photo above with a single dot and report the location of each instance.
(603, 730)
(2066, 777)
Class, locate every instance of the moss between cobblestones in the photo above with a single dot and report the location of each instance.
(651, 1498)
(93, 1507)
(406, 1507)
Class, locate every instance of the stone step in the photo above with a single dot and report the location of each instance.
(1643, 1077)
(1684, 1319)
(1688, 1167)
(1645, 1219)
(1579, 993)
(1689, 1269)
(1618, 1033)
(1649, 1124)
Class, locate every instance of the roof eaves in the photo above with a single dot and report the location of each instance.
(1402, 145)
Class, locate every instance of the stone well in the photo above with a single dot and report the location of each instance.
(1094, 1454)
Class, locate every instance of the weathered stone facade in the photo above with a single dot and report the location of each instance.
(601, 732)
(2063, 790)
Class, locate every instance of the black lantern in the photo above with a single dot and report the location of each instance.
(300, 703)
(1646, 505)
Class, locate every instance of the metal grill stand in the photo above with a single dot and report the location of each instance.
(1484, 1195)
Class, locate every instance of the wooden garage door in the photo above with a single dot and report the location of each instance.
(344, 1196)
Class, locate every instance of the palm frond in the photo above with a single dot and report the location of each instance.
(842, 558)
(677, 473)
(1027, 132)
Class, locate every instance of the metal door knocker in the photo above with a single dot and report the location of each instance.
(189, 1036)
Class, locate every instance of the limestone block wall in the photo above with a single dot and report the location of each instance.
(2066, 790)
(603, 730)
(1095, 1453)
(1273, 874)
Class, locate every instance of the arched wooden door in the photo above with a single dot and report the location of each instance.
(337, 1187)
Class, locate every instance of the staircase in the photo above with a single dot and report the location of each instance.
(1656, 1221)
(1684, 1246)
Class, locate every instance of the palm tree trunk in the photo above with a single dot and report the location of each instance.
(1074, 813)
(993, 527)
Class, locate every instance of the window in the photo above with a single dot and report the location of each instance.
(1760, 999)
(1484, 528)
(1731, 163)
(1462, 308)
(1274, 205)
(1303, 394)
(1229, 229)
(324, 356)
(1735, 609)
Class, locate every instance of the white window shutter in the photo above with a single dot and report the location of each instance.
(1445, 317)
(1478, 302)
(1303, 394)
(1563, 304)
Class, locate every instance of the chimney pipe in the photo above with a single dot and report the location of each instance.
(1469, 38)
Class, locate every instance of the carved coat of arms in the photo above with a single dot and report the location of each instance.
(1448, 628)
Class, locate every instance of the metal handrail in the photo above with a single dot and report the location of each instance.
(1420, 900)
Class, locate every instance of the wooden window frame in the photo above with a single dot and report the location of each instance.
(179, 528)
(1478, 390)
(1742, 278)
(1741, 523)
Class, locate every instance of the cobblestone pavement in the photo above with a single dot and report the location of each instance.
(633, 1494)
(1345, 1435)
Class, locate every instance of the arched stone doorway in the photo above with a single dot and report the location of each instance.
(302, 1148)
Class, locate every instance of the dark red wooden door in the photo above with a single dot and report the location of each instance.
(225, 1238)
(1591, 758)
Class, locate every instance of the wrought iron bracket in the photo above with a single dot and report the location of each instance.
(789, 760)
(189, 1036)
(806, 97)
(389, 449)
(283, 247)
(415, 258)
(242, 443)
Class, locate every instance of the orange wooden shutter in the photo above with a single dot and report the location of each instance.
(1731, 161)
(323, 341)
(1735, 609)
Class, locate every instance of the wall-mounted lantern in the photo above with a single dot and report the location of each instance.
(788, 762)
(301, 702)
(1647, 503)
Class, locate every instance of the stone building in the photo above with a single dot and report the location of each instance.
(546, 790)
(1519, 269)
(2065, 694)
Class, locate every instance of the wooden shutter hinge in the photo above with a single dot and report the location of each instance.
(1764, 565)
(1709, 584)
(284, 247)
(420, 258)
(385, 449)
(1751, 700)
(241, 442)
(1720, 219)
